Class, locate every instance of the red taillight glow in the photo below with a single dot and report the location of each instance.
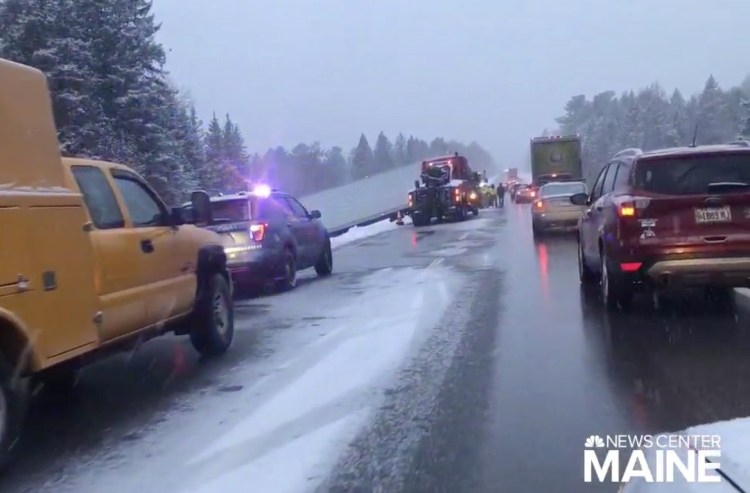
(533, 194)
(258, 231)
(410, 200)
(626, 210)
(630, 266)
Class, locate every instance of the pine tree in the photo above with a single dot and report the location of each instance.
(383, 154)
(710, 113)
(215, 172)
(335, 163)
(234, 153)
(362, 159)
(47, 35)
(438, 147)
(399, 150)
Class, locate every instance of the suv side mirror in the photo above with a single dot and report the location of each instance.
(201, 205)
(580, 198)
(315, 214)
(416, 183)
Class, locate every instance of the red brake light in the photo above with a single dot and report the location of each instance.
(258, 231)
(630, 266)
(626, 210)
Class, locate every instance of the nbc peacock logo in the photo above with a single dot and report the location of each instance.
(594, 441)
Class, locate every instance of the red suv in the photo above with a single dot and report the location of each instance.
(670, 218)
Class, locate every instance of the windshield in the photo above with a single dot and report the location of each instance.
(231, 210)
(691, 175)
(562, 189)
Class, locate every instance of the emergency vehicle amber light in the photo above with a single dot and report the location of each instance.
(630, 266)
(539, 204)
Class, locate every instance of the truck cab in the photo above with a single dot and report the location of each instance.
(93, 260)
(448, 189)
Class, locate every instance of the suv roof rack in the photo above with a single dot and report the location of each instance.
(631, 151)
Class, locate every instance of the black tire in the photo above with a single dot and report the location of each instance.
(13, 403)
(616, 294)
(537, 230)
(289, 281)
(213, 327)
(460, 214)
(585, 274)
(419, 220)
(475, 211)
(324, 265)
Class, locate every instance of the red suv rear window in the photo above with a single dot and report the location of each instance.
(691, 175)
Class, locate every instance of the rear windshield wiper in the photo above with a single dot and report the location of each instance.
(727, 187)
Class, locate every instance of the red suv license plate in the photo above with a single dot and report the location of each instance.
(713, 215)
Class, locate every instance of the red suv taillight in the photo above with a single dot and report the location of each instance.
(258, 231)
(626, 209)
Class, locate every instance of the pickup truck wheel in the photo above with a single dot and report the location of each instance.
(13, 400)
(213, 331)
(324, 265)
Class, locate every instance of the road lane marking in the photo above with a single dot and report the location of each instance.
(463, 236)
(436, 262)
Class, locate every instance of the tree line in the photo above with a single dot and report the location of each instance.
(113, 99)
(650, 118)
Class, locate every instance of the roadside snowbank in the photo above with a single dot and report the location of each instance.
(358, 233)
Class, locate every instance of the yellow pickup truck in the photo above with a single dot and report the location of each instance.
(92, 260)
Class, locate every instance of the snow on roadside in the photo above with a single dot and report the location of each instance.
(299, 409)
(358, 233)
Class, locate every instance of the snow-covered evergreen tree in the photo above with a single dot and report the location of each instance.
(383, 153)
(362, 158)
(399, 150)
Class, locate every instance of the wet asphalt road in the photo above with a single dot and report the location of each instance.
(536, 368)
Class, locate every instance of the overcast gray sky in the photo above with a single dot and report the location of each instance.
(494, 71)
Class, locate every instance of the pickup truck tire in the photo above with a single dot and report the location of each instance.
(324, 265)
(13, 400)
(213, 330)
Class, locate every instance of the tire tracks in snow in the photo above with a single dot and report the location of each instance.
(396, 451)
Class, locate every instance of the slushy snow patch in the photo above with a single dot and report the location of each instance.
(358, 233)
